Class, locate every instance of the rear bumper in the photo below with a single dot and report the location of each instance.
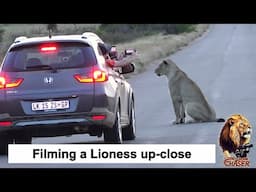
(59, 125)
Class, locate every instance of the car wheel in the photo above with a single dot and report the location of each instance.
(4, 141)
(128, 132)
(114, 135)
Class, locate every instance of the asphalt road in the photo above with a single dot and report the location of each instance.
(223, 63)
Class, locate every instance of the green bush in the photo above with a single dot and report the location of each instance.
(181, 28)
(52, 27)
(1, 34)
(119, 33)
(116, 33)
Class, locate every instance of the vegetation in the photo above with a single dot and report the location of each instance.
(1, 34)
(52, 27)
(111, 33)
(118, 33)
(152, 41)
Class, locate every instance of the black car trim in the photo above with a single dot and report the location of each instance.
(50, 122)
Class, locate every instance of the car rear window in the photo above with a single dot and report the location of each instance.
(61, 55)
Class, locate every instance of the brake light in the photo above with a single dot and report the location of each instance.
(94, 76)
(5, 123)
(48, 48)
(2, 82)
(99, 76)
(83, 79)
(14, 83)
(6, 83)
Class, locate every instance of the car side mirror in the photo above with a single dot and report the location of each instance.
(128, 68)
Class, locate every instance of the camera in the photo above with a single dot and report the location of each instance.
(113, 53)
(129, 51)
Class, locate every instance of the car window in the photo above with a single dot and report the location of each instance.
(58, 56)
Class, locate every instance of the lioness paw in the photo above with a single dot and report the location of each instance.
(180, 121)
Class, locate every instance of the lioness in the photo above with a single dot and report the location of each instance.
(186, 95)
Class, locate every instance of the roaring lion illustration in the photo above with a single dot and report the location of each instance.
(186, 95)
(235, 136)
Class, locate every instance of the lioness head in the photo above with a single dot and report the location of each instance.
(164, 67)
(235, 133)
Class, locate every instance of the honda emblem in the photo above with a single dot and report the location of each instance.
(48, 80)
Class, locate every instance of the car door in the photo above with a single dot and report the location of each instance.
(124, 94)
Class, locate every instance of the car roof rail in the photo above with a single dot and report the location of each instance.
(19, 39)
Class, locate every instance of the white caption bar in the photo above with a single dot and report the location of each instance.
(109, 153)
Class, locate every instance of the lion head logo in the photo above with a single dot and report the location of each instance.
(235, 136)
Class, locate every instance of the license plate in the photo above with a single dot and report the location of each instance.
(50, 105)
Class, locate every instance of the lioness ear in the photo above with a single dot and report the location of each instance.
(165, 62)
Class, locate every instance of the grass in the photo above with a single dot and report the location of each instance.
(159, 46)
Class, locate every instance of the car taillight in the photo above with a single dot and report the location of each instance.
(5, 123)
(9, 83)
(2, 82)
(94, 76)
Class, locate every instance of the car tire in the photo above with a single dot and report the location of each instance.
(114, 135)
(128, 133)
(4, 141)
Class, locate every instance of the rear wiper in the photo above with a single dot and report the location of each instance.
(49, 67)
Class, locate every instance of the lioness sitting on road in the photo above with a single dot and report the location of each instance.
(186, 96)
